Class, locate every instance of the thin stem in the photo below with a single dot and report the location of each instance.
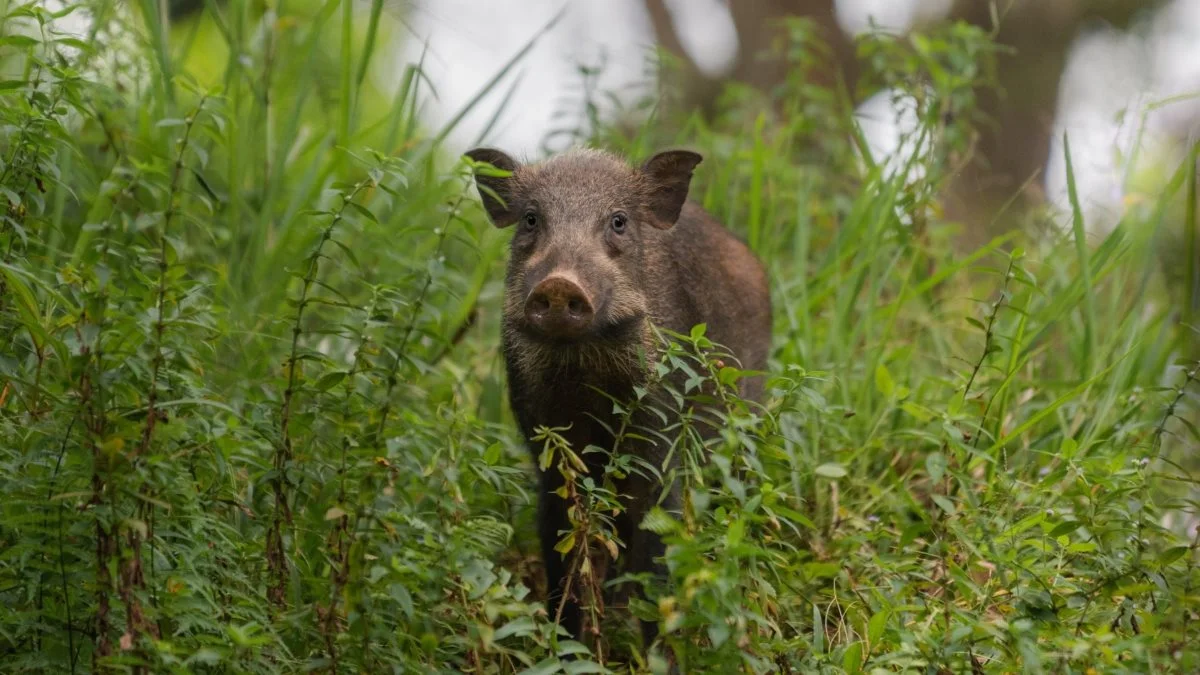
(161, 293)
(1161, 428)
(276, 561)
(418, 306)
(989, 334)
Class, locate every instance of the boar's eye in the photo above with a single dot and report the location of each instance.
(530, 221)
(619, 222)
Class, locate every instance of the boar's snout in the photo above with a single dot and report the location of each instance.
(558, 308)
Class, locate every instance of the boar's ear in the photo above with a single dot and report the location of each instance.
(496, 191)
(670, 174)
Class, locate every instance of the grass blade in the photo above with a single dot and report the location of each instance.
(1085, 270)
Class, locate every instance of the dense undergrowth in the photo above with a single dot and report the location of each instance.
(252, 412)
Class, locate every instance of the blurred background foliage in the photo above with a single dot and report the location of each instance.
(252, 413)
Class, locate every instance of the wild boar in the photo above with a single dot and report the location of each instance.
(602, 251)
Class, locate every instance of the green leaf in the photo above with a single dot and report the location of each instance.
(204, 656)
(831, 470)
(853, 658)
(921, 413)
(493, 453)
(718, 633)
(875, 627)
(794, 516)
(883, 380)
(567, 543)
(944, 504)
(479, 576)
(362, 211)
(1172, 554)
(22, 41)
(935, 466)
(328, 380)
(1065, 527)
(522, 625)
(73, 42)
(205, 186)
(641, 609)
(820, 570)
(736, 531)
(659, 521)
(578, 667)
(1084, 265)
(569, 647)
(729, 375)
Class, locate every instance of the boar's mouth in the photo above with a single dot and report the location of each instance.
(614, 333)
(622, 331)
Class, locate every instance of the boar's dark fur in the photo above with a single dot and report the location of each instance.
(601, 251)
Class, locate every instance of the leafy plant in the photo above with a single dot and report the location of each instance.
(253, 418)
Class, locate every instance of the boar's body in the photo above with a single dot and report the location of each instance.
(603, 251)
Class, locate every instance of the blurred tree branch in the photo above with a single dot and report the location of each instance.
(1014, 147)
(1016, 144)
(757, 25)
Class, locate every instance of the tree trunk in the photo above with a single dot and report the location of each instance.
(757, 23)
(1015, 144)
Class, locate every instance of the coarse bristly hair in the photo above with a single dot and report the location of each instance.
(592, 229)
(583, 179)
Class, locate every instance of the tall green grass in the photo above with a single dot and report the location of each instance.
(252, 412)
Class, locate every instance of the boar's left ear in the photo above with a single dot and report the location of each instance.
(670, 174)
(501, 211)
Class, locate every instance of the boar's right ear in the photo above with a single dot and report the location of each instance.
(670, 175)
(496, 191)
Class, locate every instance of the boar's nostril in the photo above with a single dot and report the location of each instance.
(539, 304)
(558, 307)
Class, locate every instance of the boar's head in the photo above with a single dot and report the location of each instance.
(583, 267)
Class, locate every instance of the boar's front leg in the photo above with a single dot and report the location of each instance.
(552, 521)
(645, 548)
